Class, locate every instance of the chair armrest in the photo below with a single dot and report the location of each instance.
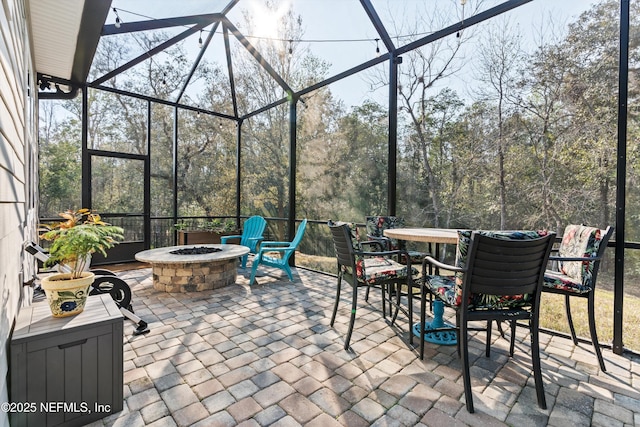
(583, 258)
(271, 243)
(431, 260)
(381, 240)
(256, 239)
(225, 238)
(264, 249)
(383, 253)
(376, 243)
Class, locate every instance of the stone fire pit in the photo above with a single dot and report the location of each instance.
(173, 272)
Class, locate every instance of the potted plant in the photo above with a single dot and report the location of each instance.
(207, 232)
(73, 240)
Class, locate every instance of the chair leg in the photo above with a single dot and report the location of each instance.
(512, 346)
(287, 270)
(464, 349)
(410, 303)
(335, 305)
(244, 260)
(512, 338)
(423, 317)
(366, 295)
(352, 320)
(567, 306)
(499, 325)
(487, 350)
(397, 294)
(254, 269)
(535, 357)
(458, 315)
(592, 330)
(383, 290)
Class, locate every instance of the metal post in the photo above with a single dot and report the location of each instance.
(623, 81)
(393, 134)
(238, 170)
(86, 158)
(293, 124)
(147, 184)
(175, 171)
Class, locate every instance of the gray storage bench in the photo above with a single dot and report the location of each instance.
(66, 371)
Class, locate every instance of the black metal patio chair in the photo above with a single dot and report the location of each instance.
(370, 269)
(498, 276)
(574, 272)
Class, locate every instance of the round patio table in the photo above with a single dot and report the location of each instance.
(434, 236)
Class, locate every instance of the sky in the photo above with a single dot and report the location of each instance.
(340, 32)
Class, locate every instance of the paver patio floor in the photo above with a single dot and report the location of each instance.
(266, 355)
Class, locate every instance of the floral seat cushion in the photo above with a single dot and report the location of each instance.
(374, 269)
(444, 287)
(575, 276)
(557, 280)
(379, 268)
(449, 288)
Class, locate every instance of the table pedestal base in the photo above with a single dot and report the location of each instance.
(435, 336)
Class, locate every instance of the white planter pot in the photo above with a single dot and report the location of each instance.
(66, 296)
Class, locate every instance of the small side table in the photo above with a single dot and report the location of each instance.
(66, 371)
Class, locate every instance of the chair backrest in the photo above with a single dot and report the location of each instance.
(583, 241)
(299, 234)
(346, 241)
(504, 268)
(253, 227)
(289, 250)
(377, 224)
(343, 243)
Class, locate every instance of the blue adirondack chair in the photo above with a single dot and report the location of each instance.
(252, 230)
(285, 249)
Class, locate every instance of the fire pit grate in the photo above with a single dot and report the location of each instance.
(195, 251)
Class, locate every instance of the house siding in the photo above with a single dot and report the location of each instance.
(18, 172)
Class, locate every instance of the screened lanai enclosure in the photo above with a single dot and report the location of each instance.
(452, 114)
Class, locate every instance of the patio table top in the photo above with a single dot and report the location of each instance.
(429, 235)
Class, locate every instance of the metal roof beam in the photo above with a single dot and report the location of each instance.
(254, 52)
(93, 15)
(230, 6)
(370, 63)
(205, 44)
(150, 53)
(162, 101)
(265, 108)
(377, 23)
(232, 83)
(155, 24)
(467, 22)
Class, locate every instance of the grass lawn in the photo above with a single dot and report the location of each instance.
(553, 316)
